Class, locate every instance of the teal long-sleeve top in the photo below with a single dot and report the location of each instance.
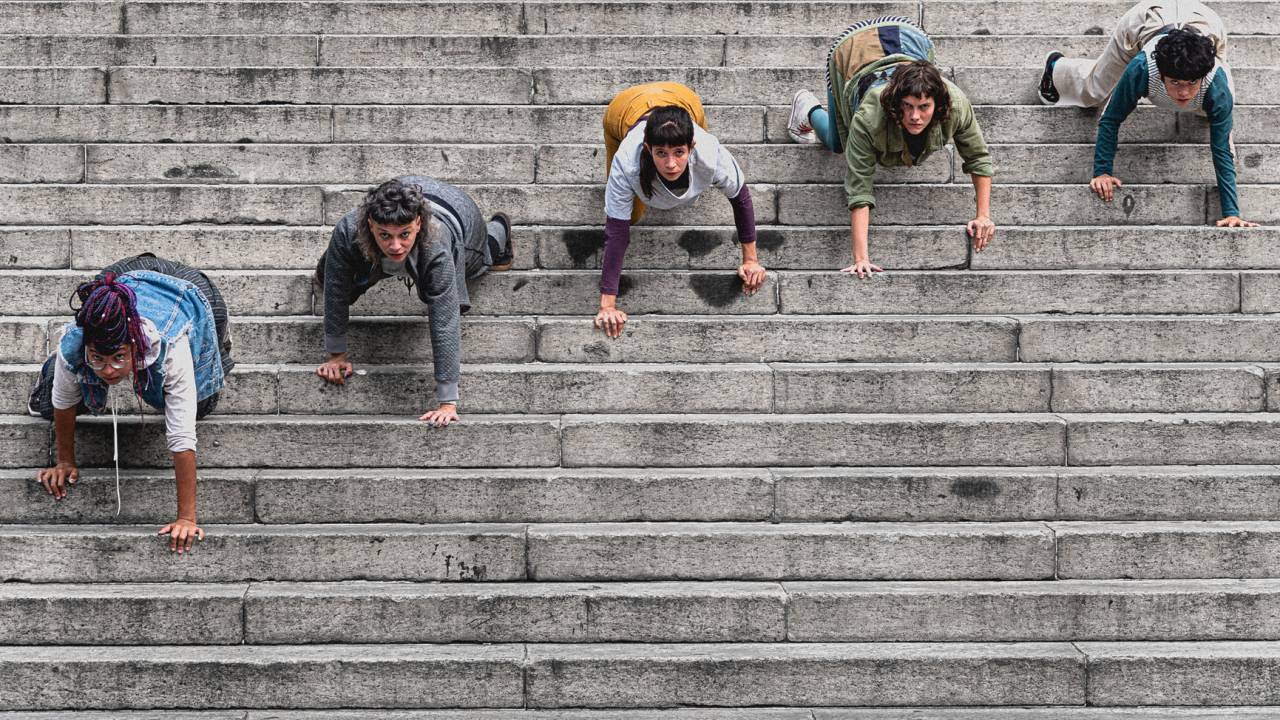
(1218, 105)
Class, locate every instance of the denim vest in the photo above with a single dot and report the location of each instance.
(174, 306)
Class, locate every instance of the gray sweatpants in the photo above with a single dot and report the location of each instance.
(1082, 82)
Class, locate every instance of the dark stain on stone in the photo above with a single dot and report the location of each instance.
(716, 290)
(625, 284)
(519, 284)
(982, 31)
(245, 141)
(1128, 204)
(596, 350)
(1253, 161)
(769, 240)
(698, 243)
(1095, 30)
(975, 489)
(582, 244)
(200, 170)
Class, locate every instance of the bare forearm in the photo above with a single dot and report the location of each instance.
(860, 222)
(184, 471)
(64, 428)
(982, 195)
(608, 301)
(749, 253)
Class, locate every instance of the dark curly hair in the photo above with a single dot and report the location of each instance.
(108, 314)
(1185, 54)
(666, 126)
(391, 203)
(921, 79)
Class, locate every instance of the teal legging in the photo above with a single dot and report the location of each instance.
(825, 127)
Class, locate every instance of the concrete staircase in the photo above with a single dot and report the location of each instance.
(1037, 483)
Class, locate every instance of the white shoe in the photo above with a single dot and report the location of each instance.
(798, 127)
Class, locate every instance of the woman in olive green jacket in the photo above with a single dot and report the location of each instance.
(891, 107)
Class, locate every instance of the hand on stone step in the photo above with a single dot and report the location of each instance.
(862, 268)
(1104, 186)
(182, 533)
(336, 369)
(982, 230)
(611, 320)
(753, 276)
(56, 479)
(441, 416)
(1235, 221)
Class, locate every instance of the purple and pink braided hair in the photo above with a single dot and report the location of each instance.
(109, 316)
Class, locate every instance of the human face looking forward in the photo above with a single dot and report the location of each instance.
(395, 241)
(917, 113)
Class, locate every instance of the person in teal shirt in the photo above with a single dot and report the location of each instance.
(1169, 53)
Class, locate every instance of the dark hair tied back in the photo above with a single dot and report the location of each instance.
(666, 126)
(918, 78)
(1185, 54)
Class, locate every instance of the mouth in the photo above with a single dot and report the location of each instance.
(397, 257)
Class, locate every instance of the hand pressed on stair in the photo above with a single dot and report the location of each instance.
(56, 478)
(610, 319)
(441, 416)
(182, 533)
(982, 230)
(1234, 221)
(1104, 186)
(336, 369)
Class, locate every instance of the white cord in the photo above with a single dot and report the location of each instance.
(115, 452)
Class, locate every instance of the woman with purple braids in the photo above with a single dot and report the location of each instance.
(162, 327)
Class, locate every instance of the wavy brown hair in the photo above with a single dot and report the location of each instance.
(921, 79)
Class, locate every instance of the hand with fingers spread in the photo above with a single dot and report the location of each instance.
(982, 230)
(862, 268)
(182, 533)
(1235, 221)
(441, 416)
(611, 320)
(336, 369)
(56, 479)
(1104, 186)
(753, 276)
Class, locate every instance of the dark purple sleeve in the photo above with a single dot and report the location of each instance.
(617, 236)
(744, 216)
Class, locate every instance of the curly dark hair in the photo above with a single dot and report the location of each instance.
(1185, 54)
(921, 79)
(391, 203)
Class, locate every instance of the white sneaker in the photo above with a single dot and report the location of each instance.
(798, 127)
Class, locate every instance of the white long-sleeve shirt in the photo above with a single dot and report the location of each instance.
(179, 388)
(710, 165)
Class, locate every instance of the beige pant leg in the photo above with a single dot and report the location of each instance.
(1082, 82)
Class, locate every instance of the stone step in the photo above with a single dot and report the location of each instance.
(1057, 713)
(542, 124)
(796, 204)
(62, 85)
(67, 16)
(261, 247)
(1037, 611)
(432, 18)
(1148, 339)
(739, 387)
(944, 494)
(576, 552)
(336, 123)
(1005, 50)
(1214, 673)
(736, 339)
(561, 164)
(390, 612)
(304, 441)
(1146, 248)
(732, 713)
(313, 676)
(1158, 550)
(453, 495)
(644, 292)
(1019, 86)
(756, 551)
(1043, 17)
(1183, 439)
(632, 440)
(385, 612)
(170, 50)
(236, 553)
(379, 49)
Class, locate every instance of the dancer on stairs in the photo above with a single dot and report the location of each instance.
(888, 104)
(658, 152)
(431, 236)
(1170, 52)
